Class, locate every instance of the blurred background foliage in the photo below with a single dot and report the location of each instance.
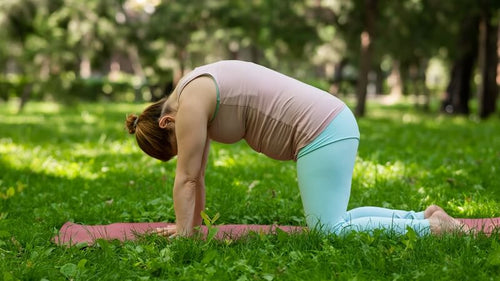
(136, 50)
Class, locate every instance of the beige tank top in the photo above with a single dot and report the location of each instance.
(275, 114)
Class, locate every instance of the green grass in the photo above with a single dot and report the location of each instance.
(78, 164)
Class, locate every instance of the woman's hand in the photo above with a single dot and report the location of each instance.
(169, 231)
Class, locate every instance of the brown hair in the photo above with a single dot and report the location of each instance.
(152, 139)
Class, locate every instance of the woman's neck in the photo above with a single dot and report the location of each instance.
(171, 104)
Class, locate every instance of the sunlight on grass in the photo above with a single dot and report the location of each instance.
(371, 172)
(11, 191)
(88, 118)
(106, 147)
(46, 107)
(34, 107)
(410, 118)
(27, 119)
(39, 160)
(224, 159)
(474, 206)
(20, 158)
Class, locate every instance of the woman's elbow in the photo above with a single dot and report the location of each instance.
(190, 181)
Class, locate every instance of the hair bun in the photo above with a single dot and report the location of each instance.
(131, 123)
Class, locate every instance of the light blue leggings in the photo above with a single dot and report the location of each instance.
(324, 170)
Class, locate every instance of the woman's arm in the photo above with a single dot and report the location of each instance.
(171, 231)
(196, 105)
(200, 194)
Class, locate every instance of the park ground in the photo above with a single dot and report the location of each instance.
(77, 163)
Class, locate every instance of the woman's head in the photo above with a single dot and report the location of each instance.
(154, 140)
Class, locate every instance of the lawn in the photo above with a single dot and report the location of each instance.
(77, 163)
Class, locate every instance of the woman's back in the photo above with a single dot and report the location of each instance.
(276, 115)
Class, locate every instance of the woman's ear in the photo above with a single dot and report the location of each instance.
(167, 122)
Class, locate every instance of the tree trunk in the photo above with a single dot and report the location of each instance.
(379, 82)
(85, 67)
(488, 61)
(85, 64)
(336, 82)
(423, 84)
(254, 53)
(25, 96)
(395, 81)
(135, 61)
(458, 91)
(367, 37)
(234, 49)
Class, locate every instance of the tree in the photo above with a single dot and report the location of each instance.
(476, 35)
(488, 59)
(18, 23)
(409, 34)
(458, 90)
(174, 22)
(367, 38)
(273, 32)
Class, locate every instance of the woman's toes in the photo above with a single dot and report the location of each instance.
(431, 210)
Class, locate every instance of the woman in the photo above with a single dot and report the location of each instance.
(280, 117)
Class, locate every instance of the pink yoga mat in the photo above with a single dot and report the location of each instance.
(72, 234)
(485, 225)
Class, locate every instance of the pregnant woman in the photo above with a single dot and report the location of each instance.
(280, 117)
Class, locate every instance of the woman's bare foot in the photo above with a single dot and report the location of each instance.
(441, 222)
(431, 209)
